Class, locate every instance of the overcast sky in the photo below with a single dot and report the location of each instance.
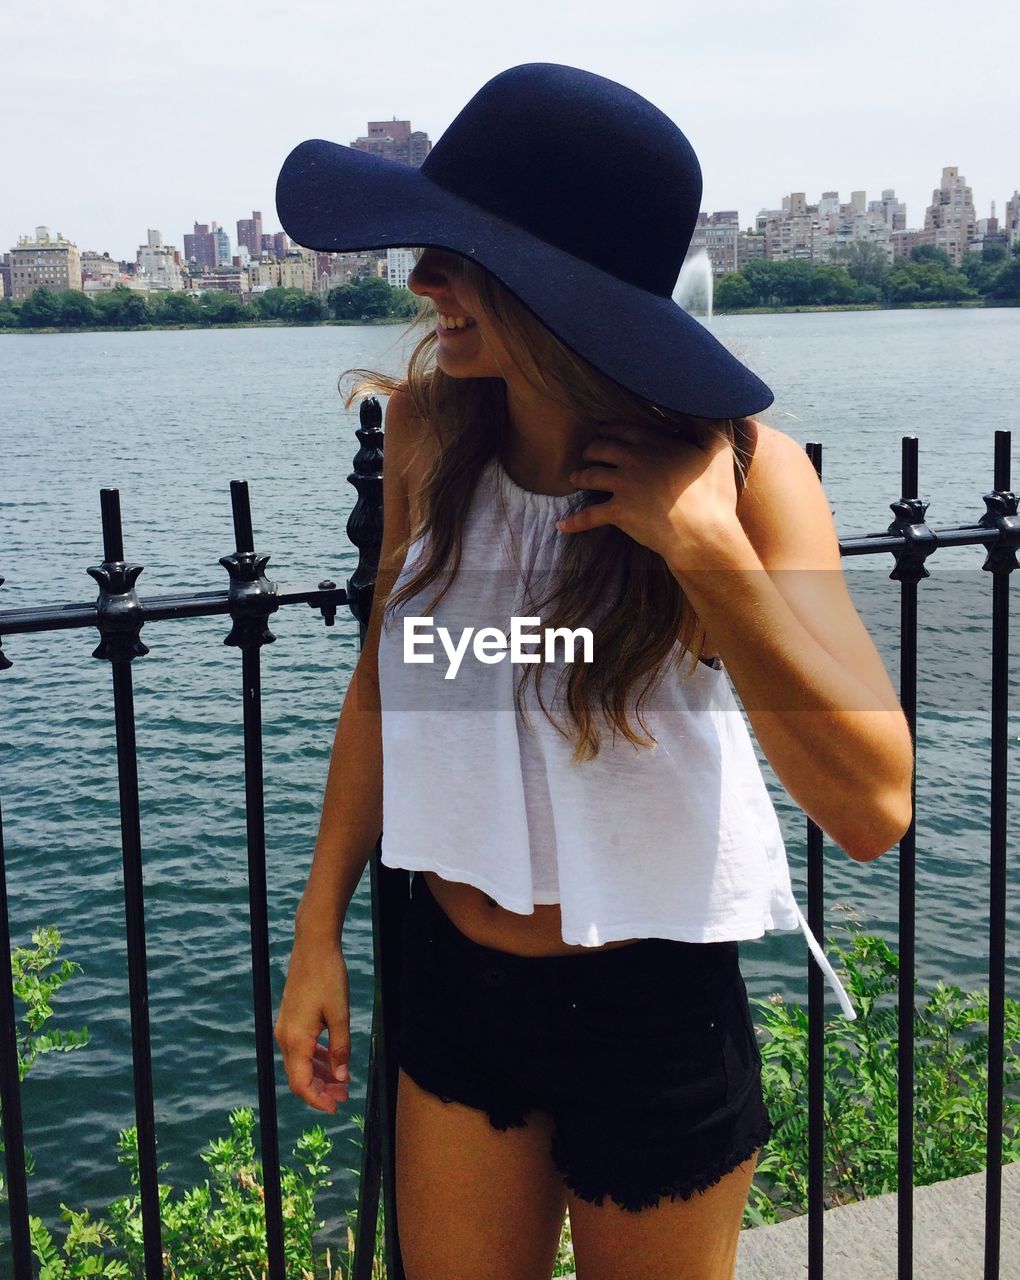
(119, 116)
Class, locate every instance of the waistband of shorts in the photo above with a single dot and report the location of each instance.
(644, 956)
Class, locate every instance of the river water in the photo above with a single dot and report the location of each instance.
(170, 418)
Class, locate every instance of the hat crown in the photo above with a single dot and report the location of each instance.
(581, 162)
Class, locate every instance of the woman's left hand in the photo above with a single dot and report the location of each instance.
(669, 494)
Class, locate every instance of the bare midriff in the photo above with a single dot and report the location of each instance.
(477, 916)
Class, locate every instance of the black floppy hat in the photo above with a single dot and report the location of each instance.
(576, 193)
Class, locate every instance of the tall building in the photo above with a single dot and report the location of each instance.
(222, 243)
(297, 271)
(717, 234)
(989, 233)
(749, 245)
(159, 264)
(5, 274)
(399, 263)
(828, 205)
(951, 215)
(395, 140)
(42, 261)
(860, 219)
(794, 231)
(200, 247)
(364, 264)
(229, 279)
(1011, 223)
(249, 234)
(892, 211)
(99, 272)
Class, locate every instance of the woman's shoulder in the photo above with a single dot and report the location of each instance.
(758, 440)
(410, 444)
(414, 427)
(784, 508)
(768, 451)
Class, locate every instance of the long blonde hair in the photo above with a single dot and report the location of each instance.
(637, 587)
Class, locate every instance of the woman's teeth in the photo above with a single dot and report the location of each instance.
(455, 322)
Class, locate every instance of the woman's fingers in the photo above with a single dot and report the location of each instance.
(316, 998)
(593, 517)
(332, 1063)
(310, 1076)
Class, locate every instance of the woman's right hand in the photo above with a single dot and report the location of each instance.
(316, 997)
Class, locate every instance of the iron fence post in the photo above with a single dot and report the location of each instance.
(919, 542)
(118, 617)
(389, 889)
(1001, 514)
(816, 1022)
(252, 599)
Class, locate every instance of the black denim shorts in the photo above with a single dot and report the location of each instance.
(645, 1056)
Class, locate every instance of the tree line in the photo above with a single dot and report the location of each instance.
(856, 273)
(363, 299)
(860, 273)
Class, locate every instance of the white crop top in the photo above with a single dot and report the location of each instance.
(680, 840)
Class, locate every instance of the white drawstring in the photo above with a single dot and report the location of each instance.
(834, 982)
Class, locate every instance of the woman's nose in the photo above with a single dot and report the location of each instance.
(429, 275)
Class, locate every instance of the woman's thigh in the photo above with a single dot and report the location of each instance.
(693, 1239)
(474, 1202)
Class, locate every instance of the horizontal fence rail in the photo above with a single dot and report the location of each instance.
(250, 599)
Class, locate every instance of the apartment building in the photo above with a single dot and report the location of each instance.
(395, 140)
(793, 232)
(200, 246)
(99, 272)
(950, 216)
(1011, 222)
(159, 264)
(249, 234)
(717, 233)
(41, 260)
(399, 263)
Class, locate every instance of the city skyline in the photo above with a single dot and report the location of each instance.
(746, 222)
(140, 123)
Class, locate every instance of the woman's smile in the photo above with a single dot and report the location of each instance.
(451, 321)
(453, 326)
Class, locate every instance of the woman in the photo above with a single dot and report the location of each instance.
(569, 447)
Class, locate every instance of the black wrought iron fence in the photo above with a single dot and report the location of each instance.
(120, 613)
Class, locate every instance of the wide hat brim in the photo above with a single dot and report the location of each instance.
(338, 199)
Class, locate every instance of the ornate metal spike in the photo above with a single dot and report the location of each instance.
(919, 540)
(118, 611)
(1001, 514)
(365, 523)
(253, 597)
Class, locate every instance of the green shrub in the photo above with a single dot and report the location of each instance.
(36, 981)
(950, 1091)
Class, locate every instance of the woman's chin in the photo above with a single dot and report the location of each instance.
(454, 368)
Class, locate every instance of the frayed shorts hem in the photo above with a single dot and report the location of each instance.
(634, 1198)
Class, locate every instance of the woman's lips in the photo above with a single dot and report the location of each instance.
(452, 333)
